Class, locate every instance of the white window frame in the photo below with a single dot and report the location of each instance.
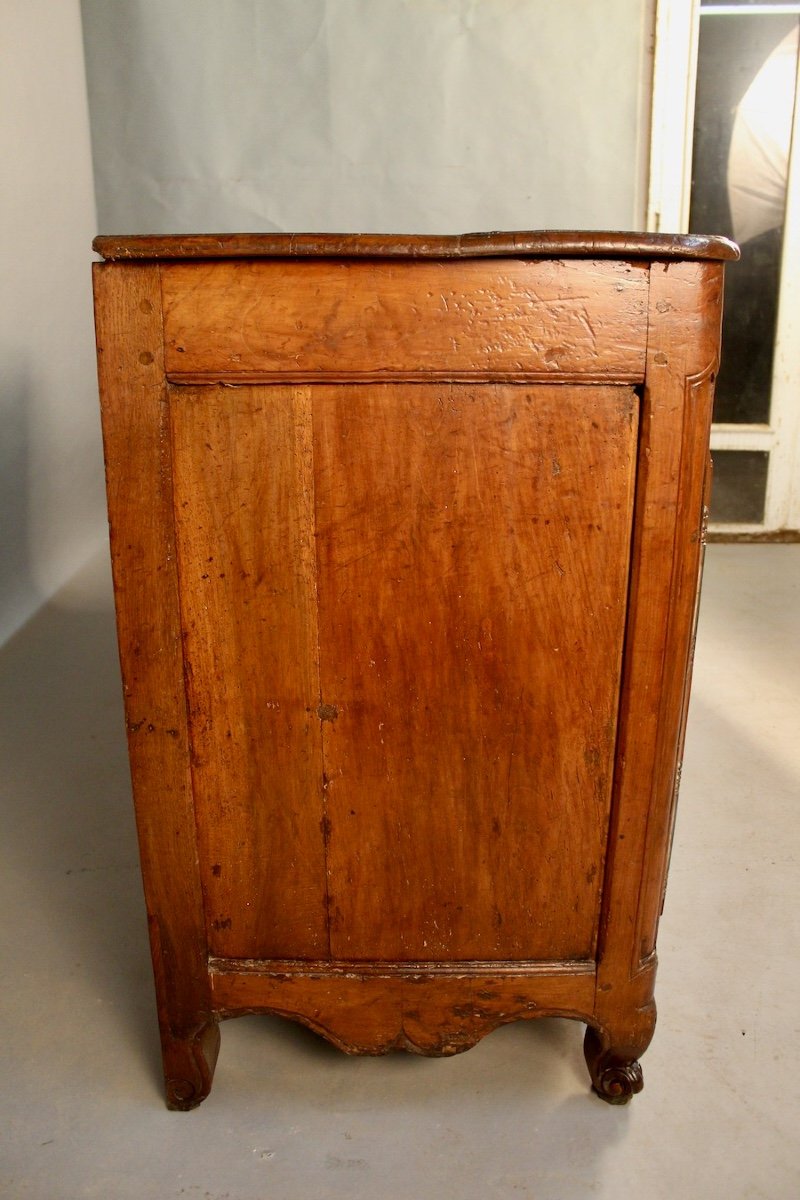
(674, 78)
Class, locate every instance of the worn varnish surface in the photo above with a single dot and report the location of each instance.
(244, 520)
(473, 547)
(347, 319)
(466, 549)
(542, 244)
(365, 1012)
(405, 596)
(140, 499)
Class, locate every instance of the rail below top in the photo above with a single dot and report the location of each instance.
(541, 244)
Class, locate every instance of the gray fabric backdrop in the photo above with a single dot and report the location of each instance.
(367, 115)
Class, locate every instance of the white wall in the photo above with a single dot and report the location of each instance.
(368, 115)
(51, 497)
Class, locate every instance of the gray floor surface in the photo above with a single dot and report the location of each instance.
(290, 1118)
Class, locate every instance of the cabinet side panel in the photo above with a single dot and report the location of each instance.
(473, 554)
(135, 432)
(245, 540)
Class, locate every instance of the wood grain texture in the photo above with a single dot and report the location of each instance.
(685, 312)
(139, 487)
(351, 319)
(691, 375)
(708, 478)
(542, 244)
(431, 1014)
(473, 547)
(244, 515)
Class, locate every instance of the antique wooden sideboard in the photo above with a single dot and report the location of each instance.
(406, 535)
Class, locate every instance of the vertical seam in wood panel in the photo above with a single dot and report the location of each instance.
(637, 960)
(167, 400)
(608, 857)
(690, 386)
(687, 683)
(691, 380)
(189, 724)
(160, 270)
(648, 325)
(326, 829)
(634, 572)
(635, 963)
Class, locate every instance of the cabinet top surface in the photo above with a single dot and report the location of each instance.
(533, 244)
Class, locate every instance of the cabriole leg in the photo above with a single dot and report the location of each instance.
(613, 1061)
(189, 1066)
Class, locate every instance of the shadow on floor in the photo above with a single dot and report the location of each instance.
(68, 824)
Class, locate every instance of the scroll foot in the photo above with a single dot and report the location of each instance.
(189, 1067)
(616, 1074)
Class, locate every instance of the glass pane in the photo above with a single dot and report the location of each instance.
(740, 485)
(746, 75)
(706, 4)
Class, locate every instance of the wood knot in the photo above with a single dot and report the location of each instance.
(327, 712)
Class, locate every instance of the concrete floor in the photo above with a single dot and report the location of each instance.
(291, 1118)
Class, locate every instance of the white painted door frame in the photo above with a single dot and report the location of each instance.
(674, 77)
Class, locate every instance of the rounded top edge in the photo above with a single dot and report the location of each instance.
(533, 244)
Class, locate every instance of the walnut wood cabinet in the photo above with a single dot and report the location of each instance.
(406, 537)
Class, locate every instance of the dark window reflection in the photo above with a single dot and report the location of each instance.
(746, 74)
(740, 485)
